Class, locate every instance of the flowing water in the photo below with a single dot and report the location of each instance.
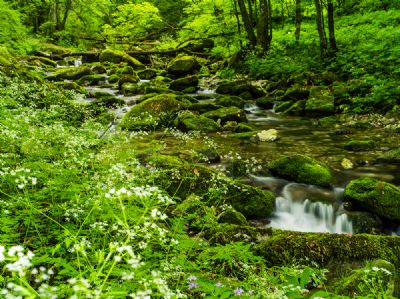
(300, 207)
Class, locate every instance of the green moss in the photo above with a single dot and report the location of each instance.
(359, 145)
(302, 169)
(265, 102)
(71, 86)
(133, 78)
(113, 78)
(297, 109)
(377, 275)
(242, 128)
(320, 103)
(42, 60)
(365, 223)
(115, 56)
(109, 102)
(225, 233)
(296, 93)
(184, 83)
(227, 114)
(183, 65)
(126, 70)
(98, 69)
(230, 215)
(70, 73)
(158, 111)
(182, 179)
(147, 74)
(228, 101)
(243, 135)
(329, 121)
(188, 121)
(204, 107)
(392, 156)
(129, 89)
(91, 80)
(283, 106)
(239, 87)
(375, 196)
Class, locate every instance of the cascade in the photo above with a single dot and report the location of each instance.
(308, 216)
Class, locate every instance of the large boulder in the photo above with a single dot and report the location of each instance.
(200, 45)
(320, 103)
(181, 179)
(296, 93)
(228, 101)
(239, 87)
(302, 169)
(378, 197)
(184, 83)
(227, 114)
(188, 121)
(155, 112)
(70, 73)
(183, 65)
(115, 56)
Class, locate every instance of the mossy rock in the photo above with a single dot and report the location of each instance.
(54, 49)
(227, 114)
(147, 74)
(183, 83)
(41, 61)
(328, 121)
(302, 169)
(90, 80)
(239, 87)
(98, 69)
(109, 102)
(130, 89)
(375, 196)
(155, 112)
(70, 73)
(320, 103)
(230, 215)
(113, 78)
(188, 121)
(297, 109)
(126, 70)
(133, 78)
(266, 102)
(228, 101)
(71, 86)
(365, 223)
(181, 179)
(183, 65)
(359, 145)
(204, 107)
(226, 233)
(296, 93)
(243, 135)
(242, 128)
(329, 250)
(392, 156)
(283, 106)
(115, 56)
(358, 283)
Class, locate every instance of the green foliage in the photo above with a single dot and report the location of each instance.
(133, 21)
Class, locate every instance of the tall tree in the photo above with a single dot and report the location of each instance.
(298, 19)
(321, 28)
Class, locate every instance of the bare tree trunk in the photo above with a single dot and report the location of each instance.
(298, 20)
(320, 28)
(331, 28)
(248, 24)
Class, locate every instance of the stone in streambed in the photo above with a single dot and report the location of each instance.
(183, 65)
(158, 111)
(70, 73)
(227, 114)
(184, 83)
(115, 56)
(189, 121)
(378, 197)
(228, 101)
(267, 135)
(302, 169)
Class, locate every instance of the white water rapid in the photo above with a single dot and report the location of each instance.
(308, 216)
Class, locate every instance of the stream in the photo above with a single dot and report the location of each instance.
(299, 207)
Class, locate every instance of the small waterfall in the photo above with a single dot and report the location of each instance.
(308, 216)
(77, 62)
